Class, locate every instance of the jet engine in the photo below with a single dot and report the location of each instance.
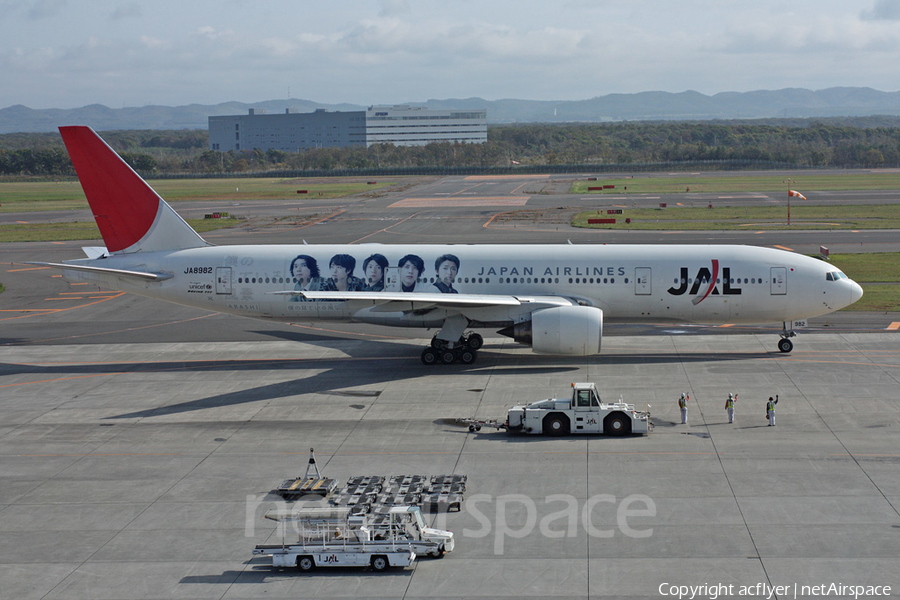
(568, 330)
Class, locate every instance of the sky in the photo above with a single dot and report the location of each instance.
(122, 53)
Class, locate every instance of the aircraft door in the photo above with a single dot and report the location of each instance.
(392, 279)
(223, 280)
(778, 284)
(642, 281)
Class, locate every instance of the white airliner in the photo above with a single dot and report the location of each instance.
(551, 297)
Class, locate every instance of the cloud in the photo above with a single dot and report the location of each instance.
(126, 11)
(44, 9)
(154, 43)
(884, 10)
(392, 8)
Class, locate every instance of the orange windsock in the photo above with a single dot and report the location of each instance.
(797, 194)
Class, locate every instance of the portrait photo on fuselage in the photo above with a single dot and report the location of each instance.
(406, 275)
(446, 268)
(304, 272)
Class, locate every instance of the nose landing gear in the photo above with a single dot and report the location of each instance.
(785, 344)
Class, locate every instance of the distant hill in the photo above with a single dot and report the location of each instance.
(763, 104)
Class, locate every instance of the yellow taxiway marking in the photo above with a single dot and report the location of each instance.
(784, 248)
(457, 201)
(9, 385)
(894, 326)
(503, 177)
(28, 269)
(112, 296)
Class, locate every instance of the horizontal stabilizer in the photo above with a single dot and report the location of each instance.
(104, 271)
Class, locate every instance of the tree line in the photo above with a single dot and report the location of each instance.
(837, 143)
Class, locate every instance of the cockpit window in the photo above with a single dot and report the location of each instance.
(834, 276)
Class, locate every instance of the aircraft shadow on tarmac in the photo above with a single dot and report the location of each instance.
(368, 368)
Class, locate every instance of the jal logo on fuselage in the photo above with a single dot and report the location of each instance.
(705, 277)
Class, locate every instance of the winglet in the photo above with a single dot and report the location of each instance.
(131, 216)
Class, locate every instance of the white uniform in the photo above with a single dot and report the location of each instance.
(682, 404)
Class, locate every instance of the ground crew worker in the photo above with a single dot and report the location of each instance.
(682, 404)
(729, 407)
(770, 410)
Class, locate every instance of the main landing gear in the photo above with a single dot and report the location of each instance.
(785, 344)
(465, 350)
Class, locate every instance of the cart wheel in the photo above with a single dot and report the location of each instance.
(379, 563)
(437, 552)
(556, 424)
(305, 563)
(616, 425)
(471, 428)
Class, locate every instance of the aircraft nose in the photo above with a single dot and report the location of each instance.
(856, 292)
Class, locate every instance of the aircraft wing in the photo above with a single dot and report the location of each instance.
(420, 301)
(143, 275)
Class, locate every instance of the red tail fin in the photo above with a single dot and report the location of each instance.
(131, 216)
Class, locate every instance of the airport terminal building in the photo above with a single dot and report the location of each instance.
(398, 125)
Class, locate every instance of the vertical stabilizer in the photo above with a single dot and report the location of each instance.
(131, 216)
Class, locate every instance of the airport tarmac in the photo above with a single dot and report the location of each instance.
(142, 470)
(140, 443)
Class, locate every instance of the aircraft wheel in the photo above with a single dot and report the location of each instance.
(437, 344)
(447, 356)
(785, 345)
(429, 356)
(475, 341)
(467, 356)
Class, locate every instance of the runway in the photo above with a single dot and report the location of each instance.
(140, 441)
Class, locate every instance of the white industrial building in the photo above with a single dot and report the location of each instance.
(398, 125)
(417, 126)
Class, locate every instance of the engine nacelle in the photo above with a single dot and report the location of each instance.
(567, 330)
